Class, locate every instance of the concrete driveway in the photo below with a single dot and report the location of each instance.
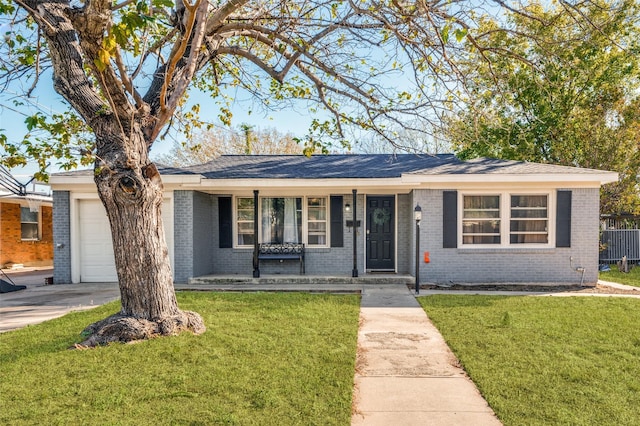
(40, 302)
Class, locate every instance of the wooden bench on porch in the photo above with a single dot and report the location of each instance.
(282, 252)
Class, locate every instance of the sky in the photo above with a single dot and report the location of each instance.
(295, 121)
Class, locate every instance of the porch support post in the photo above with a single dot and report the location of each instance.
(354, 273)
(256, 262)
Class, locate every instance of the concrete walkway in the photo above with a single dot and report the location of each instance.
(39, 302)
(405, 372)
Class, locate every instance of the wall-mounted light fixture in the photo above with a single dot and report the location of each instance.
(347, 207)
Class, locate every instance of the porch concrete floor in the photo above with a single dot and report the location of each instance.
(277, 282)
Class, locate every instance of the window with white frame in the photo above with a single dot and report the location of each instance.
(317, 221)
(282, 220)
(29, 224)
(244, 221)
(481, 219)
(505, 219)
(529, 222)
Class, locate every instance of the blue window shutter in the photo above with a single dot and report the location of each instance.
(563, 219)
(225, 222)
(450, 219)
(337, 237)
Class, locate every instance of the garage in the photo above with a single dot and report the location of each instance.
(95, 256)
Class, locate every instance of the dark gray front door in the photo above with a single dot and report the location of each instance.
(380, 233)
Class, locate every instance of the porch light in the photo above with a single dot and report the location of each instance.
(347, 207)
(417, 213)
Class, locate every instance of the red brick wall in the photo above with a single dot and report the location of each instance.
(13, 249)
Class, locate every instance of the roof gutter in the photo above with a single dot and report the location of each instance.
(588, 178)
(87, 179)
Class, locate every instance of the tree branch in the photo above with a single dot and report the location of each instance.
(237, 51)
(92, 23)
(126, 81)
(153, 49)
(37, 66)
(121, 5)
(190, 44)
(222, 14)
(69, 78)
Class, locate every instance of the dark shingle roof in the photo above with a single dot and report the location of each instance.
(485, 166)
(365, 166)
(320, 166)
(355, 166)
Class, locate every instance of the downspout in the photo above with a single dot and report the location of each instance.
(578, 269)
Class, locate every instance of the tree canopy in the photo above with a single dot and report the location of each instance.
(372, 66)
(566, 94)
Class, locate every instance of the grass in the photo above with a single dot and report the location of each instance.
(632, 278)
(265, 359)
(547, 360)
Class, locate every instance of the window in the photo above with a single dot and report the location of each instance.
(244, 221)
(29, 224)
(317, 221)
(529, 219)
(283, 220)
(481, 219)
(505, 219)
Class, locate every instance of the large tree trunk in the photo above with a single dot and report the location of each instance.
(128, 183)
(131, 191)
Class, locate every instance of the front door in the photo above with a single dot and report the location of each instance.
(381, 233)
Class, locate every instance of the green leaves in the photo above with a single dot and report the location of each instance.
(558, 96)
(105, 53)
(62, 137)
(458, 33)
(135, 26)
(7, 7)
(21, 50)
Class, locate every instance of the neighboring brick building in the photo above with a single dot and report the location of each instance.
(26, 231)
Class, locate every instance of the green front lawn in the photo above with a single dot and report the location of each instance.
(267, 359)
(547, 360)
(632, 278)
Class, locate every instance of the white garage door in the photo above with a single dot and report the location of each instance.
(96, 259)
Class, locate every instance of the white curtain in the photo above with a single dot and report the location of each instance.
(266, 220)
(290, 221)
